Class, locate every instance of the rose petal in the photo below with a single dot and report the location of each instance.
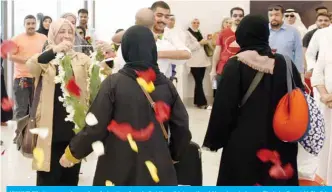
(41, 132)
(91, 119)
(162, 111)
(275, 158)
(98, 148)
(73, 88)
(143, 134)
(7, 104)
(39, 156)
(3, 152)
(153, 171)
(120, 130)
(109, 183)
(148, 87)
(7, 47)
(148, 75)
(279, 172)
(132, 143)
(266, 155)
(257, 184)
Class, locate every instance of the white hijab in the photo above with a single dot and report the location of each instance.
(298, 24)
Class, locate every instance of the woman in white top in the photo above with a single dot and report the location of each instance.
(322, 80)
(198, 62)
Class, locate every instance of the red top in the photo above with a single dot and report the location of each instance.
(229, 47)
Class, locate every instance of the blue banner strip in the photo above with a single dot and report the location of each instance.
(166, 189)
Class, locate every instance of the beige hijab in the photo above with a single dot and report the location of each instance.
(54, 30)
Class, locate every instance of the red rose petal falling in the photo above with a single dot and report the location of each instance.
(148, 75)
(257, 184)
(266, 155)
(279, 172)
(121, 130)
(143, 134)
(162, 110)
(73, 88)
(275, 158)
(7, 104)
(3, 152)
(8, 46)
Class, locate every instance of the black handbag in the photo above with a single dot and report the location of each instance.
(26, 141)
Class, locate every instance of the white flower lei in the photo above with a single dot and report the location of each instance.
(60, 79)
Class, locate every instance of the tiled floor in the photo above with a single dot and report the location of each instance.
(16, 170)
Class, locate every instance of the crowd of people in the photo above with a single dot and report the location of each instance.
(154, 46)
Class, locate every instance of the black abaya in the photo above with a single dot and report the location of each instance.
(242, 132)
(120, 98)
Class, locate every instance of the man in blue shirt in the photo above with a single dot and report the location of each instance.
(285, 39)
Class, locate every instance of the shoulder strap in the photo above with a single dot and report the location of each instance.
(258, 77)
(35, 98)
(152, 105)
(289, 69)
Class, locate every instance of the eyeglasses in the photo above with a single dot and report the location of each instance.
(289, 16)
(196, 23)
(237, 15)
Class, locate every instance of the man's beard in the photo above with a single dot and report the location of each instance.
(275, 24)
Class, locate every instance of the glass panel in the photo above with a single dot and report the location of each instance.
(70, 6)
(115, 14)
(23, 8)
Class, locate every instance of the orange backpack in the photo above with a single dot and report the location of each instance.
(291, 117)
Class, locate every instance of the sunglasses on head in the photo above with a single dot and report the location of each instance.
(290, 16)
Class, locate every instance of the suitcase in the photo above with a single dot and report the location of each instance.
(189, 169)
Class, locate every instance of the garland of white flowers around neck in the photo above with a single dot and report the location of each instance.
(77, 110)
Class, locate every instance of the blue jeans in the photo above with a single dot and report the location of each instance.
(22, 95)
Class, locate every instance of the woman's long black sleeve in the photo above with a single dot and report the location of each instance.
(46, 57)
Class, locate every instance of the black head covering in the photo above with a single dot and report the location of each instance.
(197, 34)
(253, 34)
(139, 49)
(42, 29)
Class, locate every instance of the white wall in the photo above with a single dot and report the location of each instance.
(115, 14)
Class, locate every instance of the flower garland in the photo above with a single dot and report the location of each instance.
(77, 110)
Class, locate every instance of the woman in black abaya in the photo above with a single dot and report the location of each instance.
(241, 132)
(44, 25)
(121, 99)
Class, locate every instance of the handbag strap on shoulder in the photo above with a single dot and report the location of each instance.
(35, 98)
(162, 126)
(290, 79)
(257, 79)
